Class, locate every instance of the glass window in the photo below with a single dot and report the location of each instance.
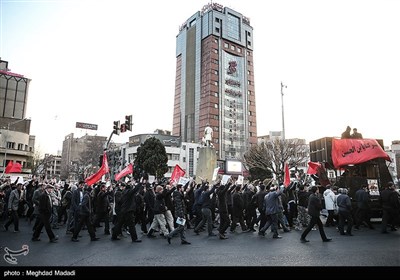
(233, 27)
(216, 29)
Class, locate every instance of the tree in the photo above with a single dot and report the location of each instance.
(80, 167)
(90, 156)
(257, 173)
(35, 162)
(151, 158)
(272, 155)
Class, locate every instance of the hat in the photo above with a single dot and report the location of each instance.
(49, 186)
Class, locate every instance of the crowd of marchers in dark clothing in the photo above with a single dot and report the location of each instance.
(170, 210)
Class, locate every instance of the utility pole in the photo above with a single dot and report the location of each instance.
(283, 113)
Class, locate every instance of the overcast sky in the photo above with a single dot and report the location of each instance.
(96, 61)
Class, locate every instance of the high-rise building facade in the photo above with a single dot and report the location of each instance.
(214, 82)
(16, 143)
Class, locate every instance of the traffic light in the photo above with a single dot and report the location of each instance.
(128, 122)
(123, 127)
(116, 129)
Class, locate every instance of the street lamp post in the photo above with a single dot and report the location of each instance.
(6, 144)
(283, 114)
(283, 127)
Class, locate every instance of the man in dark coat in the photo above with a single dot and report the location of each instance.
(179, 204)
(85, 210)
(314, 208)
(128, 208)
(103, 208)
(45, 211)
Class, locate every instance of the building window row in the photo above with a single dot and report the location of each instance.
(232, 47)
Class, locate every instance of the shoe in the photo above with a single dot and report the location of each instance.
(212, 234)
(5, 228)
(196, 232)
(74, 239)
(276, 236)
(94, 239)
(137, 240)
(327, 240)
(169, 239)
(184, 242)
(35, 239)
(16, 231)
(53, 240)
(303, 240)
(262, 233)
(56, 237)
(221, 236)
(107, 233)
(115, 238)
(349, 234)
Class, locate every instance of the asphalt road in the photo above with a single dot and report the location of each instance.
(366, 248)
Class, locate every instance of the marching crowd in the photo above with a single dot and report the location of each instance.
(214, 208)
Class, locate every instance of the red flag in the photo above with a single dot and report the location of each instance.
(286, 182)
(127, 170)
(176, 174)
(355, 151)
(97, 176)
(13, 167)
(313, 167)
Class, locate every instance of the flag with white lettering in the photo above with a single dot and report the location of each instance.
(355, 151)
(176, 174)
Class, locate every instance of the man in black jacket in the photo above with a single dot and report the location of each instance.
(127, 212)
(314, 208)
(85, 209)
(45, 211)
(179, 215)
